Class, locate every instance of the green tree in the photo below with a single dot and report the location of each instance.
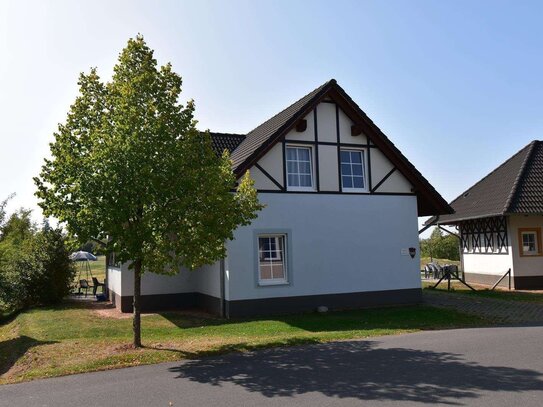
(128, 164)
(440, 246)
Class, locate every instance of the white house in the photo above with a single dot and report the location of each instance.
(339, 228)
(500, 219)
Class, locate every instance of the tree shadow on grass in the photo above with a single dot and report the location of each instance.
(13, 349)
(360, 370)
(390, 318)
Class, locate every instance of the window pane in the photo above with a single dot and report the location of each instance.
(305, 180)
(358, 182)
(347, 182)
(345, 157)
(303, 154)
(357, 169)
(291, 154)
(345, 169)
(304, 168)
(278, 271)
(292, 167)
(265, 271)
(293, 181)
(356, 157)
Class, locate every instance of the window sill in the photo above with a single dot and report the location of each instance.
(530, 255)
(301, 189)
(353, 190)
(272, 283)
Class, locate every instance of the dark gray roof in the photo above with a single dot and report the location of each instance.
(516, 186)
(259, 137)
(225, 141)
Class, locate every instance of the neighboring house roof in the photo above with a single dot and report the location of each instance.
(516, 186)
(261, 139)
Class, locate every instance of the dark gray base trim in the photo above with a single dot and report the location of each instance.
(489, 279)
(167, 302)
(269, 306)
(529, 282)
(306, 303)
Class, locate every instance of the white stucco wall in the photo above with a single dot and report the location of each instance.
(326, 122)
(206, 280)
(328, 168)
(524, 265)
(272, 163)
(308, 134)
(489, 264)
(152, 283)
(114, 280)
(338, 244)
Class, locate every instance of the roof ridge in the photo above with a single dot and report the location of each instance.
(489, 174)
(520, 175)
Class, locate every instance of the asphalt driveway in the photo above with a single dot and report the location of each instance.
(476, 367)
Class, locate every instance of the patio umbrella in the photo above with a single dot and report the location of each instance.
(82, 256)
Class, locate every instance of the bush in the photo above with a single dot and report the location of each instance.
(34, 265)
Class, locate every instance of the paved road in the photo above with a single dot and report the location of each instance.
(498, 311)
(476, 367)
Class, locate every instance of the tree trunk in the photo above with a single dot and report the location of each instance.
(136, 323)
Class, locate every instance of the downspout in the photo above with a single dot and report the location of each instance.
(222, 271)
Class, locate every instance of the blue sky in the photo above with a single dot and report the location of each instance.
(456, 85)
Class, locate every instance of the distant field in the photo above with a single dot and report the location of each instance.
(97, 269)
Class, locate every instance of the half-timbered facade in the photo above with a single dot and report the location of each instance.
(339, 227)
(499, 222)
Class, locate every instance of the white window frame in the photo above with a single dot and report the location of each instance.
(362, 152)
(273, 281)
(311, 168)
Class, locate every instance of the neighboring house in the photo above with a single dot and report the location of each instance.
(340, 219)
(499, 220)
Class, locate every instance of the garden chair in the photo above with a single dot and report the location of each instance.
(84, 285)
(428, 271)
(96, 284)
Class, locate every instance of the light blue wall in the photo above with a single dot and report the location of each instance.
(338, 244)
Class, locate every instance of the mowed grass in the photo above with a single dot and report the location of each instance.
(97, 268)
(72, 338)
(484, 291)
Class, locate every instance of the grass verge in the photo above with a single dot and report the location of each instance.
(71, 338)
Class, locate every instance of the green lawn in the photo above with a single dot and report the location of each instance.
(97, 269)
(73, 338)
(483, 291)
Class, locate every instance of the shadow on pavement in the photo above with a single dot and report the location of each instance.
(360, 370)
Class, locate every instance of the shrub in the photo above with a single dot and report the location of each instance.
(34, 265)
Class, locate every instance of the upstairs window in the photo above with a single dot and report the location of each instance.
(299, 169)
(352, 171)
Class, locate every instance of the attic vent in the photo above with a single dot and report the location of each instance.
(465, 195)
